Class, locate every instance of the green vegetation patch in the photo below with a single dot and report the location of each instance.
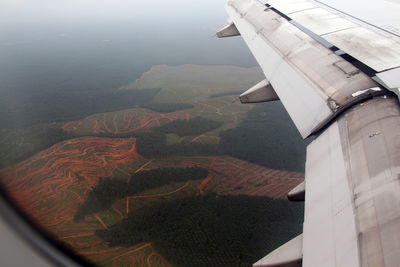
(109, 190)
(267, 137)
(172, 139)
(196, 125)
(154, 145)
(195, 82)
(210, 230)
(167, 107)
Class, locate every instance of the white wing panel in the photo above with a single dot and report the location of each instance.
(321, 21)
(291, 6)
(329, 234)
(391, 78)
(382, 13)
(311, 80)
(370, 45)
(374, 50)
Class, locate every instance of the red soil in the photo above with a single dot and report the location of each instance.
(237, 177)
(50, 186)
(209, 176)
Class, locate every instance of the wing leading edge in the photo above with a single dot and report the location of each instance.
(337, 92)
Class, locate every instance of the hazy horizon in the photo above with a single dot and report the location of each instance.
(37, 37)
(63, 47)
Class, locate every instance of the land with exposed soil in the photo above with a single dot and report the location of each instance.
(50, 181)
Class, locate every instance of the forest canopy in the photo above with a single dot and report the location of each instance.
(109, 190)
(266, 137)
(210, 230)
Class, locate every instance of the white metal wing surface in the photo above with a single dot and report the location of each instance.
(337, 74)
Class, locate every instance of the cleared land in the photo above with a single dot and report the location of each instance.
(121, 122)
(56, 179)
(51, 186)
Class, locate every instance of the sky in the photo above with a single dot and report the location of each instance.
(24, 21)
(96, 46)
(67, 11)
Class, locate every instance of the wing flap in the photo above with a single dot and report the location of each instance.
(352, 190)
(228, 31)
(329, 232)
(298, 193)
(261, 92)
(288, 255)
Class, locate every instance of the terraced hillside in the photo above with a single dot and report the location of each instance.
(112, 148)
(121, 122)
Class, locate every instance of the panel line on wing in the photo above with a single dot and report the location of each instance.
(327, 33)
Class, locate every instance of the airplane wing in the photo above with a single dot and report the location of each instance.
(336, 69)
